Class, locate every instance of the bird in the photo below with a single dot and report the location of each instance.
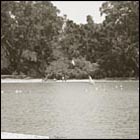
(16, 91)
(73, 62)
(20, 91)
(91, 80)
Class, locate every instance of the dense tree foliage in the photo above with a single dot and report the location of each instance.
(28, 31)
(35, 41)
(121, 32)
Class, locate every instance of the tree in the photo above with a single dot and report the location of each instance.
(121, 30)
(27, 34)
(38, 42)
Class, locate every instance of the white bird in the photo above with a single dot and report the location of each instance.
(54, 79)
(73, 63)
(16, 91)
(20, 91)
(91, 80)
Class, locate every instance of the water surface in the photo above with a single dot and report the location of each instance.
(71, 110)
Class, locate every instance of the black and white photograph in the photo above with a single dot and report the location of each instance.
(69, 69)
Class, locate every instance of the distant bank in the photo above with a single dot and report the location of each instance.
(8, 80)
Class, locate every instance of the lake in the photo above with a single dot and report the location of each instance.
(71, 110)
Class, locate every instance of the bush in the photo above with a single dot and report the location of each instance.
(82, 68)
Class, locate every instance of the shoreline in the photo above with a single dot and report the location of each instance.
(8, 80)
(7, 135)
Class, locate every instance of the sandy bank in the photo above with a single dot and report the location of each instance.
(8, 80)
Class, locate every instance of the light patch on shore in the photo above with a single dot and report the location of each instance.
(5, 135)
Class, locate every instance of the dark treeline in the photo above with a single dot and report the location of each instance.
(35, 41)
